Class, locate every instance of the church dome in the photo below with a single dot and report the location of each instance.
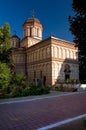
(15, 41)
(30, 20)
(15, 36)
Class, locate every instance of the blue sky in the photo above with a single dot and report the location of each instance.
(53, 14)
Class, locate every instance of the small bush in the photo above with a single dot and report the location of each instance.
(46, 90)
(25, 92)
(14, 91)
(39, 90)
(35, 91)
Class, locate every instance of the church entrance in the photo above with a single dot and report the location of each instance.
(67, 71)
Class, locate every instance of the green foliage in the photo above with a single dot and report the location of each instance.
(38, 90)
(14, 91)
(46, 89)
(5, 78)
(5, 44)
(67, 81)
(5, 75)
(18, 91)
(20, 87)
(78, 29)
(20, 79)
(25, 92)
(71, 81)
(5, 36)
(35, 91)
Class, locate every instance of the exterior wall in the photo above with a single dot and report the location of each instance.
(58, 71)
(63, 53)
(39, 71)
(39, 62)
(19, 58)
(28, 42)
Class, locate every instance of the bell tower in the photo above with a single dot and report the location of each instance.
(32, 28)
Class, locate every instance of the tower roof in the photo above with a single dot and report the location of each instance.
(15, 36)
(30, 20)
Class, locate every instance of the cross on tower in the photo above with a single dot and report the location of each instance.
(33, 13)
(14, 32)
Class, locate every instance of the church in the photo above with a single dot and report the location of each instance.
(49, 60)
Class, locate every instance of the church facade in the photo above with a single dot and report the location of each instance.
(48, 60)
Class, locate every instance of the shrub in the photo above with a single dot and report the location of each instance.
(39, 90)
(14, 91)
(25, 92)
(46, 90)
(35, 91)
(20, 87)
(20, 79)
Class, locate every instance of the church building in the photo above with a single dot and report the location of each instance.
(48, 60)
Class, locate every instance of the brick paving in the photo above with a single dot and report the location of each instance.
(31, 115)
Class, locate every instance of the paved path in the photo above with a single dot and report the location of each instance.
(32, 114)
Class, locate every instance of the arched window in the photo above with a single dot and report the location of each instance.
(30, 31)
(25, 32)
(65, 53)
(14, 43)
(37, 32)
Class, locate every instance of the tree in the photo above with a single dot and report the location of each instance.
(78, 29)
(5, 79)
(5, 46)
(5, 75)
